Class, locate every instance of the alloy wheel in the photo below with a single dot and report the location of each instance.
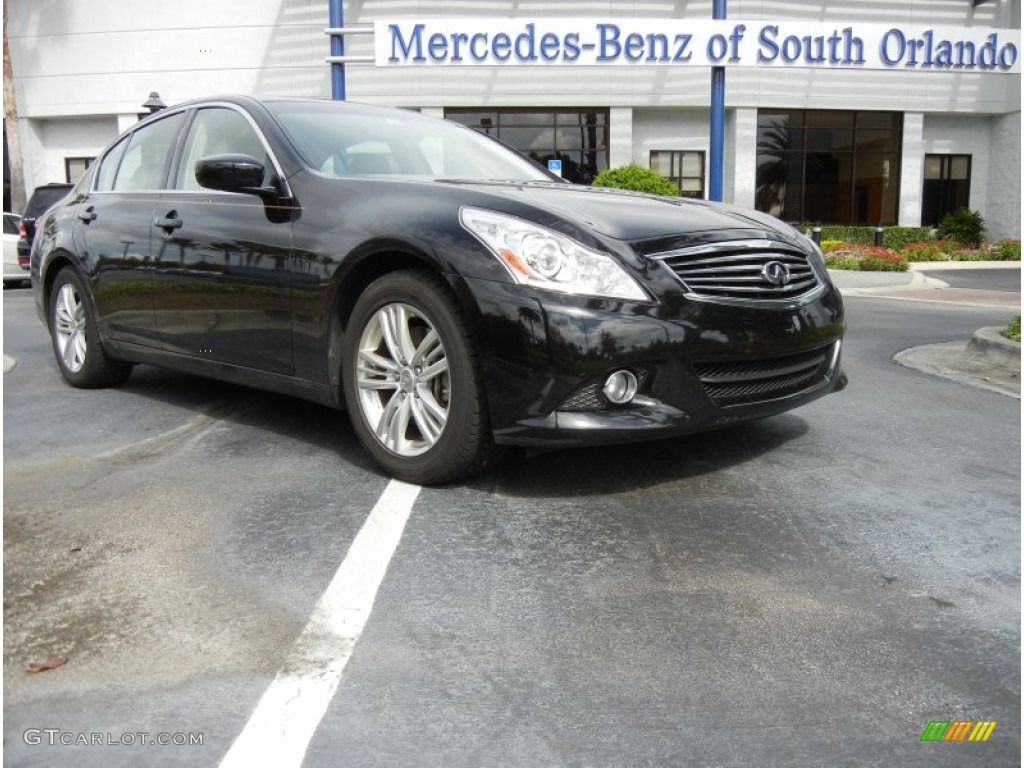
(69, 324)
(403, 380)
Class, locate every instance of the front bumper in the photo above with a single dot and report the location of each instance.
(702, 366)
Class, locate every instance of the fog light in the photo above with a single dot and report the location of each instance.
(620, 387)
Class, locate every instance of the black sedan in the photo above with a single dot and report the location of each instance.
(450, 293)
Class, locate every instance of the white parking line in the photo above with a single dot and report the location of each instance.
(280, 728)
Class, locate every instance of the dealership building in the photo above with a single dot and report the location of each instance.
(892, 111)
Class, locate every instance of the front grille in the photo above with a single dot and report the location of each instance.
(737, 271)
(750, 381)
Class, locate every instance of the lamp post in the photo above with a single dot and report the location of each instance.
(717, 120)
(154, 103)
(336, 16)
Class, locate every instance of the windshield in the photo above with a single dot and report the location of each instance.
(367, 141)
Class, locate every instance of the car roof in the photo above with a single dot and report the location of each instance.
(243, 100)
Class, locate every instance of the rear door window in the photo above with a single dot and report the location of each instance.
(108, 166)
(145, 160)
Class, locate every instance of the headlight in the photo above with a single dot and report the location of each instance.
(537, 256)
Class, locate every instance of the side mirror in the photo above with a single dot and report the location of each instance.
(231, 173)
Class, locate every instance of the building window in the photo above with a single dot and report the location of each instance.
(836, 167)
(684, 168)
(578, 138)
(75, 168)
(947, 186)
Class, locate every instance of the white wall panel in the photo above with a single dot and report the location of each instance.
(84, 137)
(33, 154)
(620, 137)
(964, 135)
(740, 157)
(105, 56)
(669, 129)
(912, 170)
(1002, 210)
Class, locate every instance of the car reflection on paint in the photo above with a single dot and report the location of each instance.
(449, 293)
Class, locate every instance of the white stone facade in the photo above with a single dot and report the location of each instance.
(82, 70)
(1002, 205)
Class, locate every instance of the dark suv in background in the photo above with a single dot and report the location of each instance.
(42, 198)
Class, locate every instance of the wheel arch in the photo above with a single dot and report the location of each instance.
(460, 442)
(48, 276)
(371, 265)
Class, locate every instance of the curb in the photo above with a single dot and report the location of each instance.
(923, 281)
(952, 266)
(987, 361)
(874, 283)
(856, 283)
(989, 347)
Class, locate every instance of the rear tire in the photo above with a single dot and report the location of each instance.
(76, 339)
(412, 381)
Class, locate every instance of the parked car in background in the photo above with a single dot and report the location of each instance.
(447, 291)
(13, 273)
(42, 198)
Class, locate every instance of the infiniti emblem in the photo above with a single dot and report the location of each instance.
(776, 273)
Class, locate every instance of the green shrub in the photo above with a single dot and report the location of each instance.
(827, 246)
(1012, 331)
(892, 237)
(637, 178)
(842, 262)
(1003, 250)
(969, 254)
(865, 235)
(963, 226)
(899, 237)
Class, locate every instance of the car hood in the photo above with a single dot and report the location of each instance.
(633, 216)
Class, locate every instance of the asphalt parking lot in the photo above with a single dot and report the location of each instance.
(812, 589)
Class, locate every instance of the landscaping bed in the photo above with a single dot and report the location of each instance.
(957, 238)
(840, 254)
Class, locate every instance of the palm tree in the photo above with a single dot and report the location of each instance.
(18, 196)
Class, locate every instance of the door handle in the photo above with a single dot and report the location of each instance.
(168, 223)
(89, 214)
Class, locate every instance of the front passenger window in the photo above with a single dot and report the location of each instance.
(216, 131)
(145, 160)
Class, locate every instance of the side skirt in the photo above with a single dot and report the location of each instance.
(323, 394)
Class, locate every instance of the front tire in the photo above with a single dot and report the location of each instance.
(76, 339)
(412, 381)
